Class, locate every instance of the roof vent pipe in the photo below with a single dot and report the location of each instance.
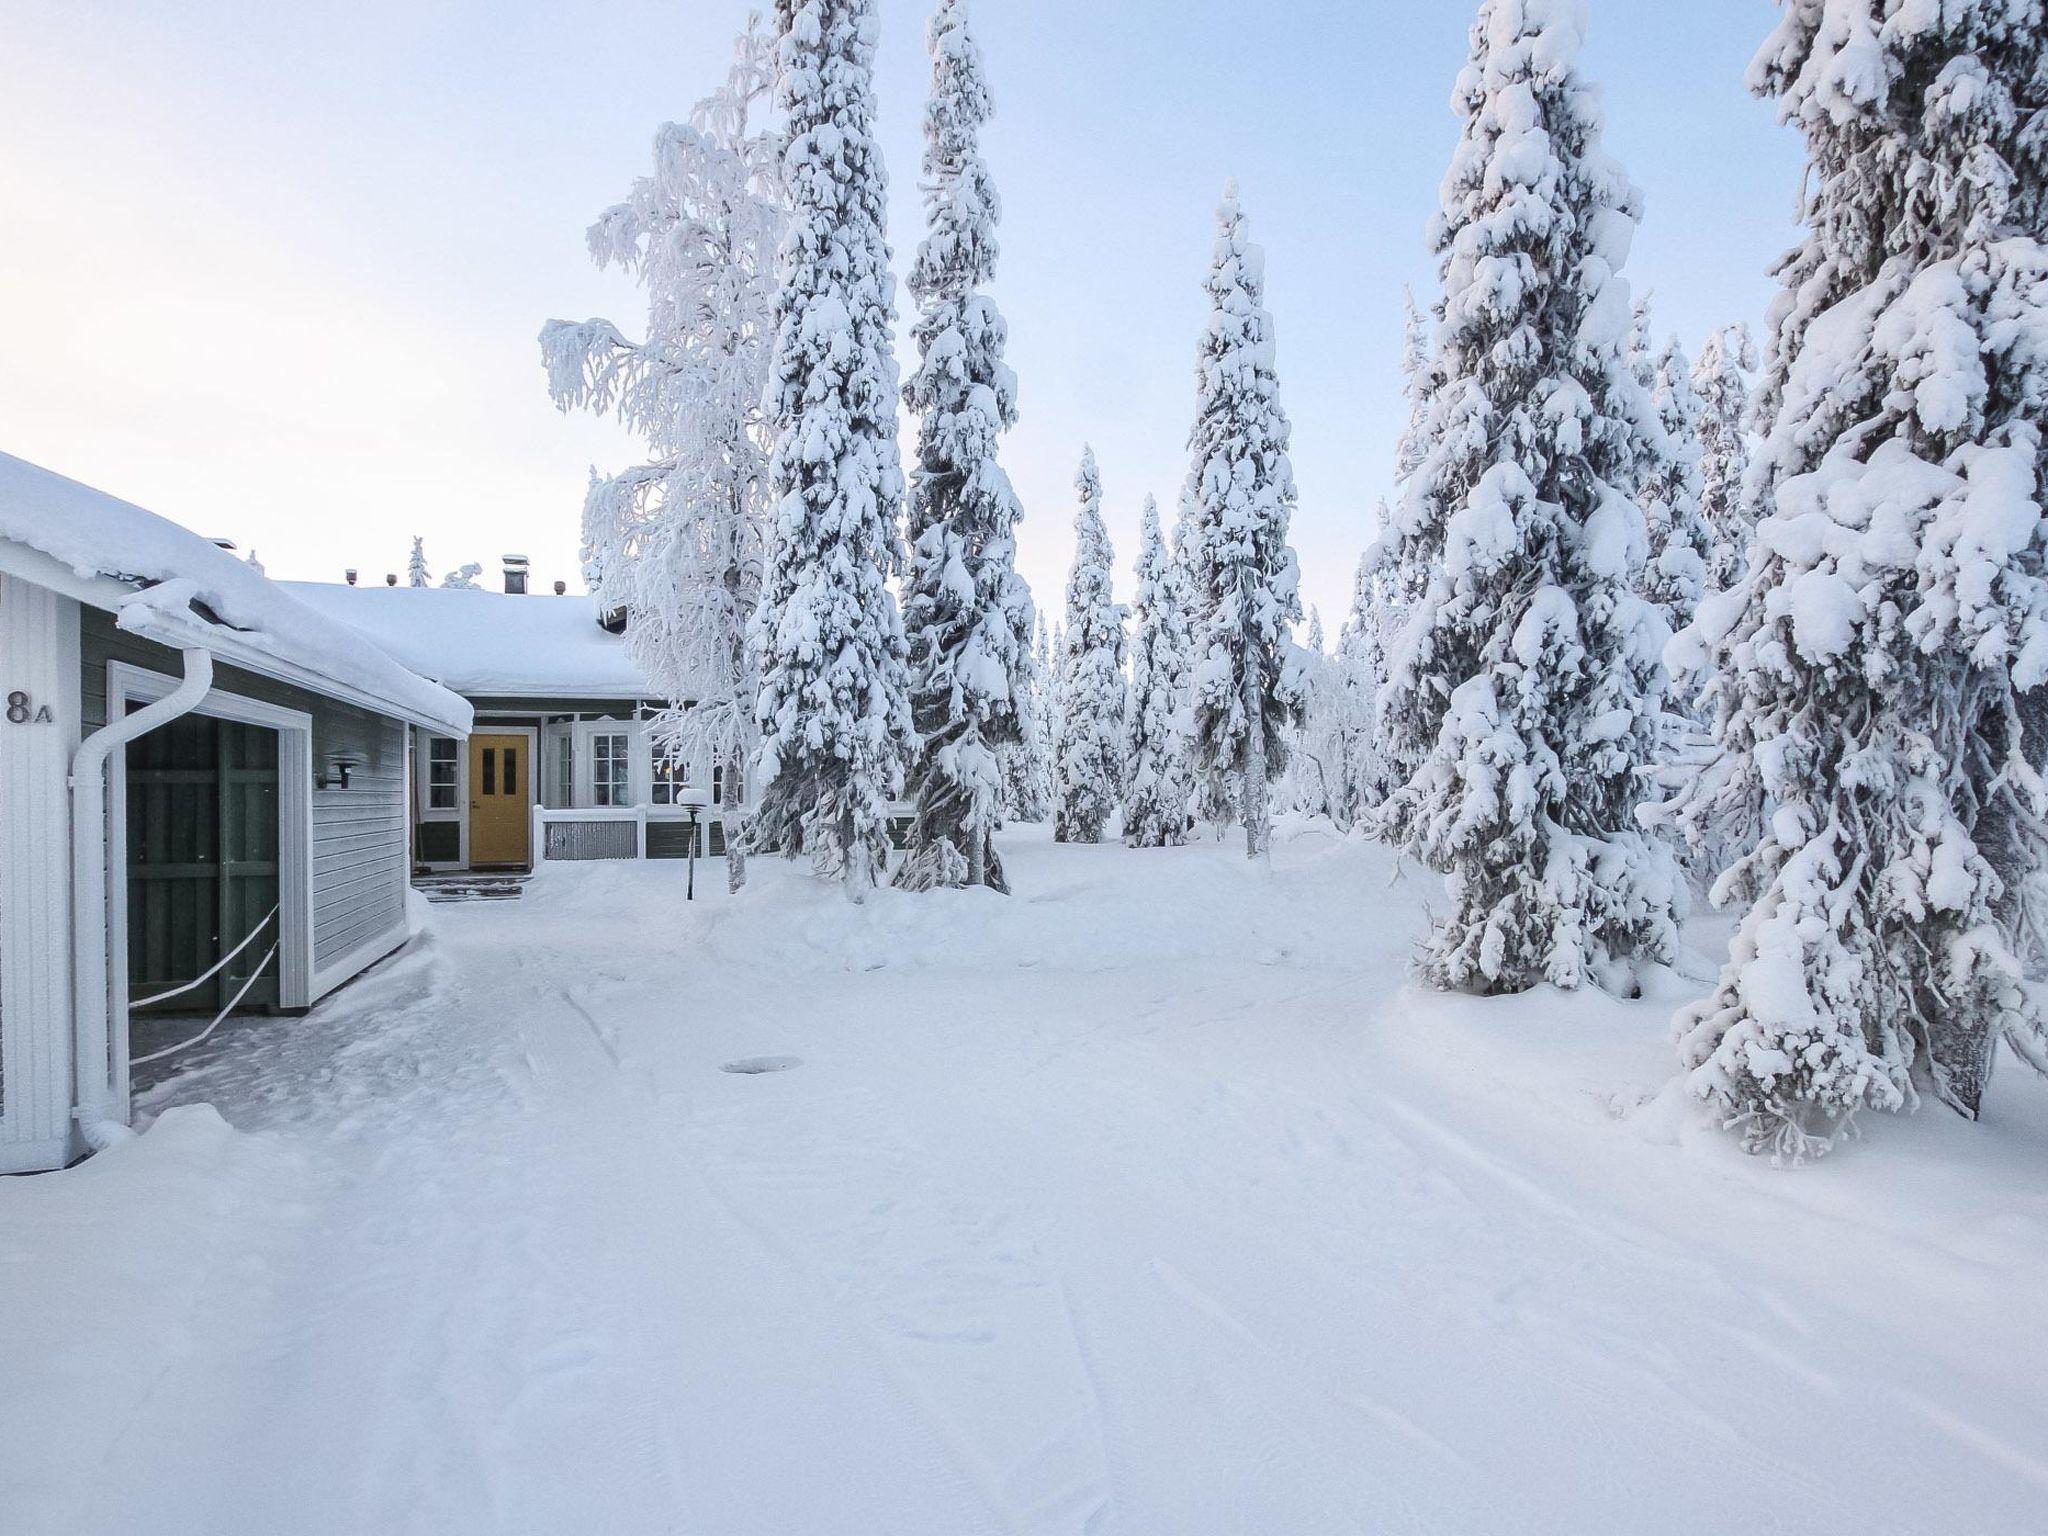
(561, 587)
(349, 575)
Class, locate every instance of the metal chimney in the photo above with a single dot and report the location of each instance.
(349, 575)
(515, 575)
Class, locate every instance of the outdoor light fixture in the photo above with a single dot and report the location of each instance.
(337, 777)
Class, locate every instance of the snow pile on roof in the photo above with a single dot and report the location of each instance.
(487, 643)
(253, 618)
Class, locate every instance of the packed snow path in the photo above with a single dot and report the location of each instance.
(1149, 1200)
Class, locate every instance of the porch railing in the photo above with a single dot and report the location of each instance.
(621, 832)
(644, 831)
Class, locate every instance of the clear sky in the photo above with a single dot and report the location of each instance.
(276, 271)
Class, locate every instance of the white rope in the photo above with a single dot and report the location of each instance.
(164, 997)
(172, 1050)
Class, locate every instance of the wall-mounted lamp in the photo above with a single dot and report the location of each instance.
(337, 776)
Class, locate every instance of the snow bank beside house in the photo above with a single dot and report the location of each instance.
(93, 534)
(112, 1275)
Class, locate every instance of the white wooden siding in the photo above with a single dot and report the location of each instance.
(38, 658)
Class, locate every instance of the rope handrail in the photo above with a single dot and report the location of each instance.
(172, 1050)
(179, 991)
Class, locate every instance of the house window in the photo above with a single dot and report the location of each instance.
(441, 767)
(610, 769)
(739, 785)
(671, 778)
(565, 769)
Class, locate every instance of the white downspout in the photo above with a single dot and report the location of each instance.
(93, 1105)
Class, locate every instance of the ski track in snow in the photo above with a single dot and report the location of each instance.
(1151, 1201)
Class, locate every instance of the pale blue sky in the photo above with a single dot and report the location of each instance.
(276, 270)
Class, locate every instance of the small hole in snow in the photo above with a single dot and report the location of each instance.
(754, 1066)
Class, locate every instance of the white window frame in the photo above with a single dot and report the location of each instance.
(423, 809)
(681, 790)
(586, 734)
(129, 684)
(555, 794)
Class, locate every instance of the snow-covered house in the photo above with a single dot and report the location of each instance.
(203, 797)
(560, 764)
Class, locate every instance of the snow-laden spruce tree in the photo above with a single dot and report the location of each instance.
(967, 612)
(1245, 689)
(416, 574)
(1721, 381)
(1668, 490)
(1028, 792)
(1211, 802)
(1415, 387)
(1360, 673)
(1881, 663)
(1155, 762)
(834, 704)
(678, 543)
(1313, 782)
(1089, 766)
(1526, 685)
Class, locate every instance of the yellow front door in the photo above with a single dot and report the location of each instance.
(500, 780)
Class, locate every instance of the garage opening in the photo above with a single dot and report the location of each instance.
(203, 887)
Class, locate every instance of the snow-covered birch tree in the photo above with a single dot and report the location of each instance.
(1091, 720)
(1245, 688)
(834, 706)
(677, 542)
(967, 612)
(1880, 666)
(1526, 685)
(1721, 380)
(1155, 764)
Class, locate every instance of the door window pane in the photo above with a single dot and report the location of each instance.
(511, 770)
(490, 770)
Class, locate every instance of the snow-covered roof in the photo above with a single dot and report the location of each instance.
(166, 583)
(488, 644)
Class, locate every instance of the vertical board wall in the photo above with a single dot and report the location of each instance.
(39, 731)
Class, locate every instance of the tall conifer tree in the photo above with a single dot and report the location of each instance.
(967, 611)
(1246, 690)
(1527, 688)
(834, 706)
(1881, 665)
(1091, 743)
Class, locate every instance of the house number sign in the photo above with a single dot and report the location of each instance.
(23, 710)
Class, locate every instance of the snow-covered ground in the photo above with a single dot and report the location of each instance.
(1151, 1200)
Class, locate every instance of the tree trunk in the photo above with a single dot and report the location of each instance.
(735, 834)
(977, 856)
(1257, 827)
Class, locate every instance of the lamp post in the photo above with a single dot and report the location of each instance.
(691, 893)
